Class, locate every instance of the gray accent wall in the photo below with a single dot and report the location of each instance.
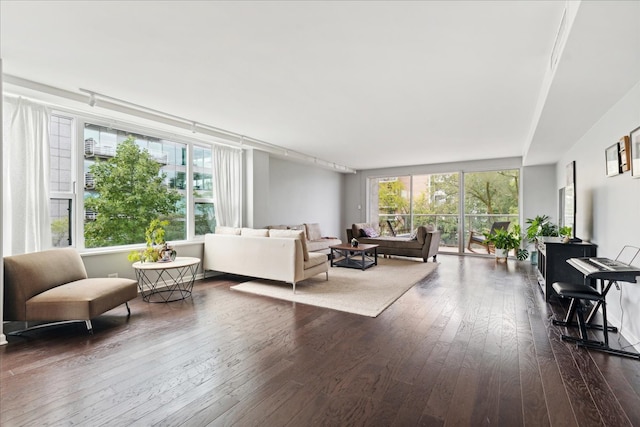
(540, 193)
(302, 193)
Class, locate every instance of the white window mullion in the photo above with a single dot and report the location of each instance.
(189, 199)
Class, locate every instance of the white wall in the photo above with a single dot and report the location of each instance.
(608, 208)
(256, 189)
(301, 193)
(3, 338)
(539, 191)
(109, 262)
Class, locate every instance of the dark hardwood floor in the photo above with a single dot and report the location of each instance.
(470, 345)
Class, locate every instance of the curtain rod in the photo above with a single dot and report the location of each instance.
(93, 98)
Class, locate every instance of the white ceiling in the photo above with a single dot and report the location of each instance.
(362, 84)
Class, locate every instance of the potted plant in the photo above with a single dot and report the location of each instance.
(506, 240)
(565, 232)
(539, 226)
(156, 246)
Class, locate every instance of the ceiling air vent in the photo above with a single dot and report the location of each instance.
(560, 38)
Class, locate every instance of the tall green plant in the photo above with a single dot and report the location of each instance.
(508, 240)
(154, 236)
(130, 193)
(540, 226)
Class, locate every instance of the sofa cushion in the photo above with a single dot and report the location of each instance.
(278, 227)
(322, 244)
(299, 227)
(315, 259)
(294, 234)
(313, 231)
(392, 242)
(255, 232)
(228, 230)
(81, 299)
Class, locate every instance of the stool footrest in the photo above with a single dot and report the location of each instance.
(588, 325)
(583, 342)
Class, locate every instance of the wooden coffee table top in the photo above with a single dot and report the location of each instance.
(348, 247)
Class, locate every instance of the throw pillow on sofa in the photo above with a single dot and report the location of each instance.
(370, 232)
(313, 231)
(294, 234)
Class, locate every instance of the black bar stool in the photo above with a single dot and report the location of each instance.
(577, 293)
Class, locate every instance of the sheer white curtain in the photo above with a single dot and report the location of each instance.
(26, 221)
(227, 164)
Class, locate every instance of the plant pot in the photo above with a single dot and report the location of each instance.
(501, 253)
(534, 257)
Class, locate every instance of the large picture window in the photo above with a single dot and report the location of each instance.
(126, 178)
(402, 203)
(490, 197)
(399, 204)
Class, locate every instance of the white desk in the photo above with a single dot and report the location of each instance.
(168, 281)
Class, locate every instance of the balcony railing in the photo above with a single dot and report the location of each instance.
(448, 224)
(89, 181)
(93, 150)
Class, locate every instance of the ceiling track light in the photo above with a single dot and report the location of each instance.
(112, 103)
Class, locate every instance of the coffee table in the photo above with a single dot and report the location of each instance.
(345, 255)
(166, 281)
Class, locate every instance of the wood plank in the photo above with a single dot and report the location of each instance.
(472, 344)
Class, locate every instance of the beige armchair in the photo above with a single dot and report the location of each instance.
(53, 286)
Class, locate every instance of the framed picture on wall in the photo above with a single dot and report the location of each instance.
(634, 142)
(625, 154)
(613, 160)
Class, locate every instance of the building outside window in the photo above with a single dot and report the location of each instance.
(61, 180)
(205, 221)
(99, 143)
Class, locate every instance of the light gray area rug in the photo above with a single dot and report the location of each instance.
(367, 293)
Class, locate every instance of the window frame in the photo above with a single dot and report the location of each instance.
(462, 214)
(70, 194)
(76, 195)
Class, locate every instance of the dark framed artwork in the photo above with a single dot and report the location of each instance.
(634, 142)
(625, 154)
(613, 160)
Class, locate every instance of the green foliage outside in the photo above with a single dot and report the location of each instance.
(205, 219)
(60, 232)
(130, 193)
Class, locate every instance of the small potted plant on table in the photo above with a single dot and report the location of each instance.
(157, 249)
(539, 226)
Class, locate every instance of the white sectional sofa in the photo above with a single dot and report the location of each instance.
(262, 253)
(316, 242)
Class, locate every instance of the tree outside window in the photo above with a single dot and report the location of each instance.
(129, 192)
